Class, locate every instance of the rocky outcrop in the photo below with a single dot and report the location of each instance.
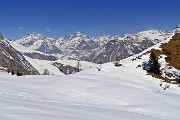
(116, 48)
(14, 60)
(39, 56)
(66, 69)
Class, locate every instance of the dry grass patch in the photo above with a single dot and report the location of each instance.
(172, 51)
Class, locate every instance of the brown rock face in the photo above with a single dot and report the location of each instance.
(172, 51)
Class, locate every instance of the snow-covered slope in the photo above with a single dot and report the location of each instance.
(114, 93)
(41, 65)
(32, 53)
(22, 48)
(154, 35)
(169, 64)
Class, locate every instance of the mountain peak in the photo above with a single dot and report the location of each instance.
(36, 34)
(177, 29)
(178, 26)
(78, 33)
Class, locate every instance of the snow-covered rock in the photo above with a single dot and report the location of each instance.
(39, 42)
(74, 42)
(177, 28)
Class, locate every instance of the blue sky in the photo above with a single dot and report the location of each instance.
(57, 18)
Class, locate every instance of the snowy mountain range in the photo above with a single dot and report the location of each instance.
(103, 48)
(75, 42)
(40, 43)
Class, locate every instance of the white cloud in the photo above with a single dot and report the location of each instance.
(20, 27)
(16, 28)
(48, 30)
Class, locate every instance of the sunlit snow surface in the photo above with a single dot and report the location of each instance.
(115, 93)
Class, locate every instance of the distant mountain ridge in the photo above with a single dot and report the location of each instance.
(76, 46)
(77, 41)
(103, 48)
(39, 42)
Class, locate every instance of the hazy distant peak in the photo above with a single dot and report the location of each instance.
(178, 26)
(78, 33)
(34, 34)
(177, 29)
